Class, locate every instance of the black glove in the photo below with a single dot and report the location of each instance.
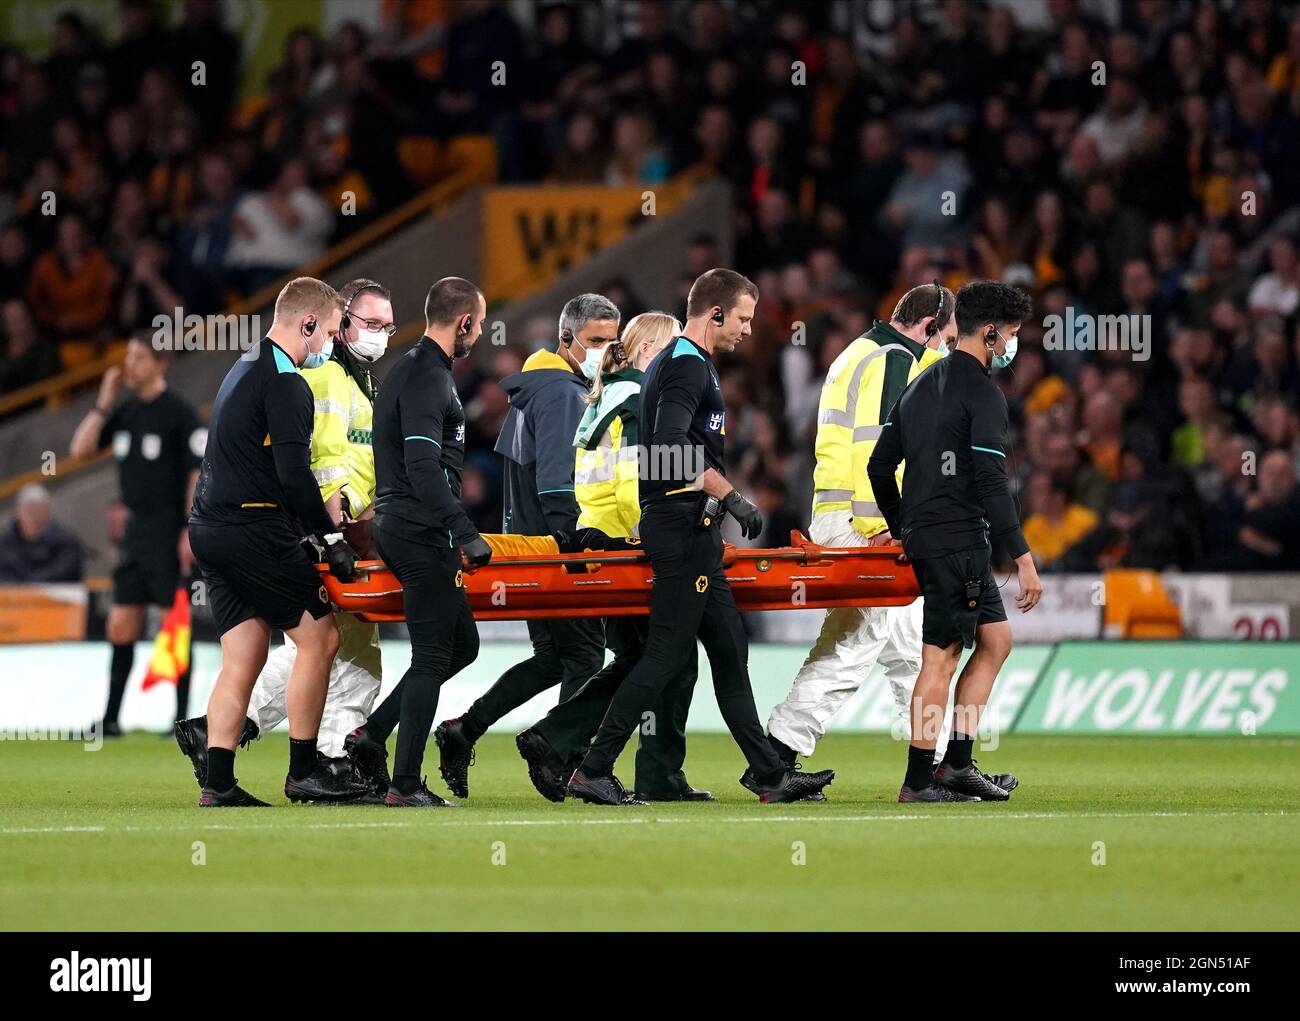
(341, 557)
(750, 520)
(477, 552)
(583, 540)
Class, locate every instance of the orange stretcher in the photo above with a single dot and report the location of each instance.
(522, 585)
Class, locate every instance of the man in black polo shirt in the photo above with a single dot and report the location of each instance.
(157, 441)
(684, 492)
(950, 426)
(256, 497)
(423, 532)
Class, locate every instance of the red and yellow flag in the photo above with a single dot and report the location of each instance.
(171, 649)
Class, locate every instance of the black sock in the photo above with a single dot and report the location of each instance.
(783, 751)
(119, 671)
(221, 769)
(472, 728)
(406, 784)
(960, 748)
(302, 757)
(920, 768)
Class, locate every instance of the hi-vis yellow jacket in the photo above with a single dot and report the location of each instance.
(341, 455)
(860, 390)
(605, 476)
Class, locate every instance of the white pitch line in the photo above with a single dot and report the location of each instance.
(967, 815)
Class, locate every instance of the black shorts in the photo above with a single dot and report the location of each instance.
(148, 573)
(258, 569)
(960, 594)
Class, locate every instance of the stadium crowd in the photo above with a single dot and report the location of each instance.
(1129, 159)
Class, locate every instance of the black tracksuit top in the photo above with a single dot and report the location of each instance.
(419, 445)
(950, 427)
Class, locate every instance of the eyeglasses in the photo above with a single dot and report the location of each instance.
(375, 325)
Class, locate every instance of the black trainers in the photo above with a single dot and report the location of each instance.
(369, 760)
(236, 797)
(192, 737)
(969, 781)
(934, 792)
(544, 764)
(796, 785)
(600, 790)
(347, 769)
(323, 786)
(748, 782)
(421, 797)
(456, 755)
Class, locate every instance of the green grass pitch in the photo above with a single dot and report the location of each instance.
(1196, 833)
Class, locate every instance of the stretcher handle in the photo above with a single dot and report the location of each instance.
(802, 549)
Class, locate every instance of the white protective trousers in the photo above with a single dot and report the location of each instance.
(354, 683)
(852, 640)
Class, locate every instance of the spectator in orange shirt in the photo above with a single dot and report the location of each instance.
(1056, 522)
(1103, 423)
(71, 287)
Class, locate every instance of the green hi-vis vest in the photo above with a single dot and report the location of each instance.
(861, 388)
(341, 454)
(605, 470)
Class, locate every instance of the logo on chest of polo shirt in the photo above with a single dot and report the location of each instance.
(716, 421)
(150, 446)
(121, 444)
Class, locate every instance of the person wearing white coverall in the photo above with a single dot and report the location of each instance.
(860, 389)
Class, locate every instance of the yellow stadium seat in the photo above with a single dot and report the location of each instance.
(420, 158)
(476, 153)
(1137, 605)
(75, 353)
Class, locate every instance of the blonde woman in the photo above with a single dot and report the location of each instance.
(606, 484)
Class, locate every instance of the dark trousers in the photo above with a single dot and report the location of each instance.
(690, 598)
(444, 640)
(565, 652)
(661, 751)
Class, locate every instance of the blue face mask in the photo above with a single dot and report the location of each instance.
(1003, 360)
(315, 359)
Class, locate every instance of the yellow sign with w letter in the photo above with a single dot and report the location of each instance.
(532, 235)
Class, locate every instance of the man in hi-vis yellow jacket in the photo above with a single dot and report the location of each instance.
(860, 389)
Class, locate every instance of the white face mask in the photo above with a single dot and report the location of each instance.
(370, 345)
(591, 362)
(1003, 360)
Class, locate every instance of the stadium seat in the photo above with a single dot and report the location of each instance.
(1138, 606)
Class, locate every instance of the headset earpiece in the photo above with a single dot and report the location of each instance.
(991, 338)
(933, 328)
(718, 317)
(566, 337)
(308, 328)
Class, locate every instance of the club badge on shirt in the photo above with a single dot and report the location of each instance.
(716, 421)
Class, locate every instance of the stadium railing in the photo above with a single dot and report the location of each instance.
(475, 168)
